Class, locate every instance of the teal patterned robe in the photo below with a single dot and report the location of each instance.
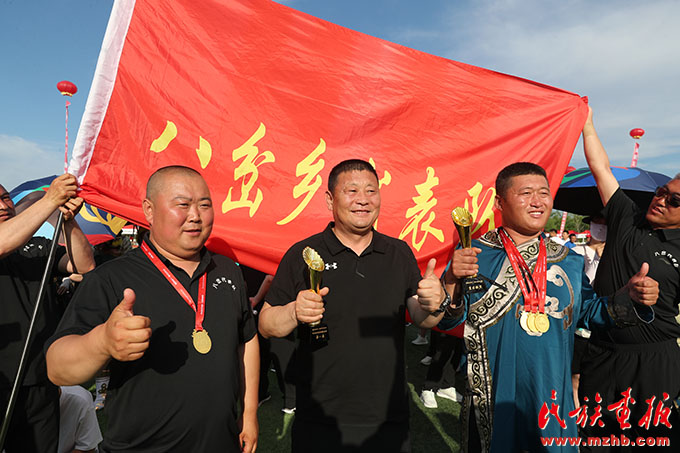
(511, 374)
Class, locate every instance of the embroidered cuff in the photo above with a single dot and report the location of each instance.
(625, 312)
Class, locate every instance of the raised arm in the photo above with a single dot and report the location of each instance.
(79, 257)
(16, 231)
(598, 161)
(74, 359)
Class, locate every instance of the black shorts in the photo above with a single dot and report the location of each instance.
(35, 420)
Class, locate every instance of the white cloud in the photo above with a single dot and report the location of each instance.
(22, 160)
(621, 54)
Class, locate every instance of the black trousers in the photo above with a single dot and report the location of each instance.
(35, 421)
(649, 371)
(448, 350)
(389, 437)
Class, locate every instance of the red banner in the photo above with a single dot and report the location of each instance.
(264, 100)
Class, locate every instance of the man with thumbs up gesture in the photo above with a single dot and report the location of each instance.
(645, 358)
(173, 322)
(351, 389)
(520, 331)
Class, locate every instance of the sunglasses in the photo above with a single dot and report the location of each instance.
(673, 199)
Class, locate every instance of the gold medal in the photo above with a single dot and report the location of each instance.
(541, 322)
(202, 342)
(531, 322)
(523, 321)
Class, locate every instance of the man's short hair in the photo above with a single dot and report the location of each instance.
(503, 180)
(553, 230)
(348, 165)
(155, 179)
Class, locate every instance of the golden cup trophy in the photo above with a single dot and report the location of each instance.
(318, 331)
(463, 221)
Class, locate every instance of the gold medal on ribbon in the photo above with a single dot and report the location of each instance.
(202, 341)
(531, 319)
(541, 322)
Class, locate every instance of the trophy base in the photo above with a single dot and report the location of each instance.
(315, 335)
(474, 285)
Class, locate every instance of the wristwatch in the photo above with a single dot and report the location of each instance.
(444, 305)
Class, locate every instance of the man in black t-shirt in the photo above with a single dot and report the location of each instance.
(170, 389)
(643, 359)
(35, 421)
(351, 391)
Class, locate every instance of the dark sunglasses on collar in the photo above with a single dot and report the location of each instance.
(673, 199)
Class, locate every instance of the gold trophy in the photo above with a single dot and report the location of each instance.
(316, 266)
(463, 221)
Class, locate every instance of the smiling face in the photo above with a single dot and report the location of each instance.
(355, 202)
(526, 206)
(180, 214)
(6, 205)
(660, 213)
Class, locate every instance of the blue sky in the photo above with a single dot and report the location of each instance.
(622, 54)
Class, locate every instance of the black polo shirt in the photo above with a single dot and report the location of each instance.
(631, 241)
(359, 376)
(173, 398)
(20, 276)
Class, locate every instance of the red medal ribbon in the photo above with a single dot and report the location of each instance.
(534, 284)
(202, 285)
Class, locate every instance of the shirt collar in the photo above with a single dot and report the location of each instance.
(378, 242)
(670, 234)
(206, 259)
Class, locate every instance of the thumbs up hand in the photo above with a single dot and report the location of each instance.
(430, 291)
(643, 289)
(127, 335)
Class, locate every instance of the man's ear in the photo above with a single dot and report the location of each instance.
(147, 207)
(497, 203)
(329, 200)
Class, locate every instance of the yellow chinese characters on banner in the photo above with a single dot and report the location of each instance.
(310, 168)
(248, 172)
(418, 225)
(481, 206)
(204, 150)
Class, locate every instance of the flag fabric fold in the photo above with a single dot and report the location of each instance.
(264, 100)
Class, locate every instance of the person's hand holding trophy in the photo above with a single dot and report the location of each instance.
(464, 261)
(309, 306)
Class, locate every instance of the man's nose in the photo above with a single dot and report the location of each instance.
(193, 215)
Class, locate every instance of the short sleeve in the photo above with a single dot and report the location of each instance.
(92, 303)
(411, 269)
(289, 279)
(247, 328)
(620, 213)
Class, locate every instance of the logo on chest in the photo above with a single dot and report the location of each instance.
(332, 266)
(223, 280)
(667, 258)
(28, 247)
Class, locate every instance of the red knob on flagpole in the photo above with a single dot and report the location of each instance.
(637, 133)
(67, 88)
